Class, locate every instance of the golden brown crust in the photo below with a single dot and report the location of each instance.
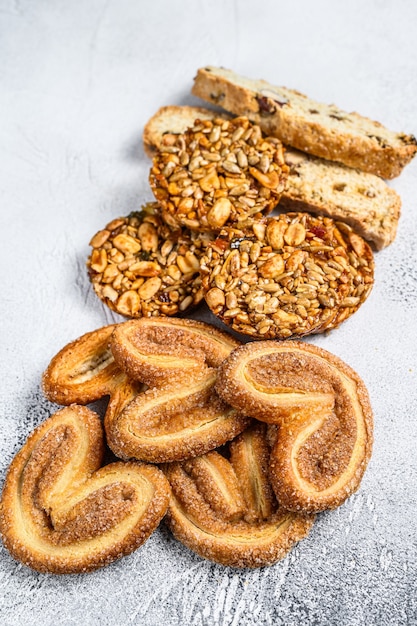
(61, 513)
(83, 371)
(322, 130)
(322, 409)
(181, 416)
(217, 172)
(288, 276)
(206, 512)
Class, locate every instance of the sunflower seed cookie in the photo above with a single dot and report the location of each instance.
(288, 276)
(140, 267)
(218, 172)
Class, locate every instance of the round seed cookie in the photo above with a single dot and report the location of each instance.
(140, 267)
(218, 172)
(287, 276)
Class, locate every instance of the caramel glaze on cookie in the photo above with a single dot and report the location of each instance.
(320, 409)
(61, 513)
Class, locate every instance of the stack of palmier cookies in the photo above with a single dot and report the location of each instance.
(238, 446)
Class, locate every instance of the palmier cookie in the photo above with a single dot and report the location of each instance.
(61, 513)
(225, 510)
(217, 172)
(84, 370)
(140, 267)
(180, 416)
(287, 276)
(323, 419)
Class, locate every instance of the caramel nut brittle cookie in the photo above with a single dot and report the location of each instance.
(324, 438)
(217, 172)
(287, 276)
(140, 267)
(224, 508)
(61, 513)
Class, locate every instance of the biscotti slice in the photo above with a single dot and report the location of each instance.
(362, 200)
(173, 120)
(320, 129)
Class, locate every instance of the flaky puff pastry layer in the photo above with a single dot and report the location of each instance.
(320, 407)
(180, 415)
(84, 370)
(224, 509)
(60, 512)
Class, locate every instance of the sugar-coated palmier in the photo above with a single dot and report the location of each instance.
(140, 267)
(162, 425)
(321, 406)
(61, 513)
(216, 172)
(287, 276)
(224, 508)
(163, 351)
(84, 370)
(180, 415)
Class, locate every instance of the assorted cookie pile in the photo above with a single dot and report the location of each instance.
(236, 447)
(211, 434)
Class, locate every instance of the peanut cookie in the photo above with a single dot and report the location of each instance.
(287, 276)
(140, 267)
(218, 172)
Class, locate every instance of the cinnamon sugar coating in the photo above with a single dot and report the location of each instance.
(180, 416)
(321, 406)
(61, 513)
(225, 510)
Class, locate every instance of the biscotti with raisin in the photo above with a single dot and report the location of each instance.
(362, 200)
(319, 129)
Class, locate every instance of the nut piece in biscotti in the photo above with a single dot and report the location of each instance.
(62, 513)
(323, 130)
(218, 172)
(362, 200)
(140, 267)
(224, 509)
(287, 276)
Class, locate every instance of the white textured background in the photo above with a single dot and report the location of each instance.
(79, 79)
